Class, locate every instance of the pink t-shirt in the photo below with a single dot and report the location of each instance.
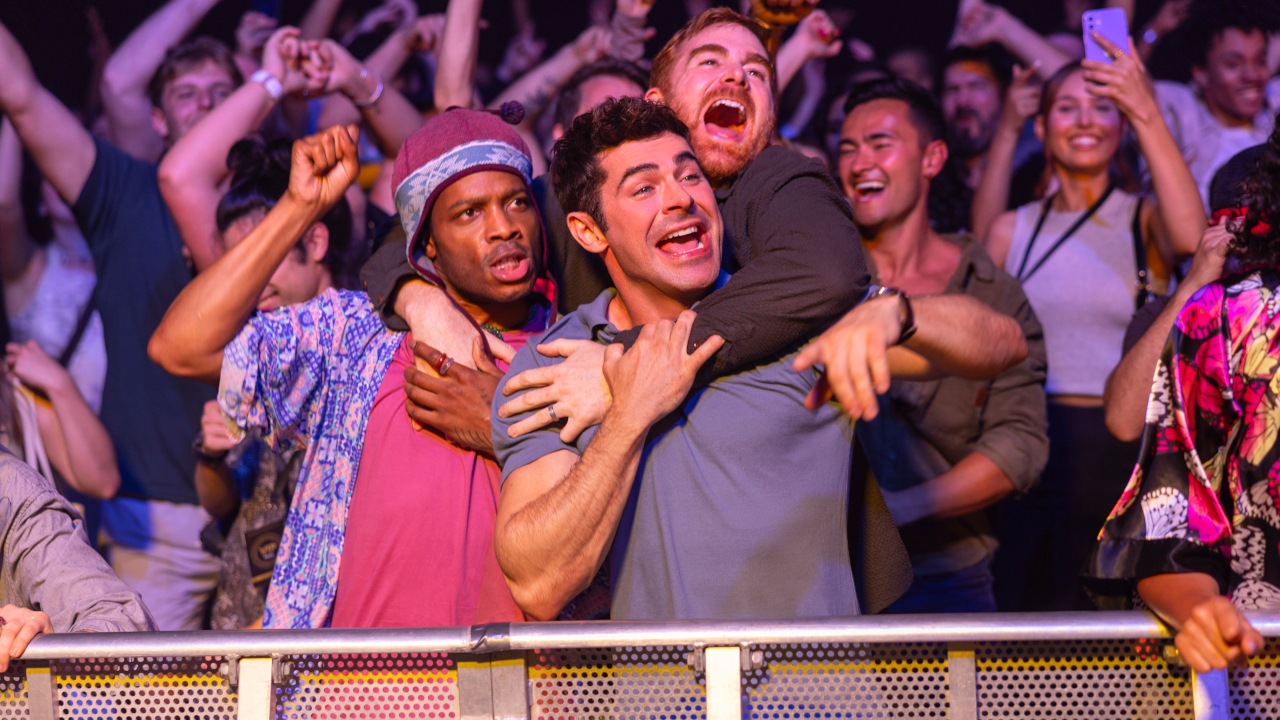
(419, 541)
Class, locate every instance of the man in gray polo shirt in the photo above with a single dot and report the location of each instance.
(735, 505)
(731, 503)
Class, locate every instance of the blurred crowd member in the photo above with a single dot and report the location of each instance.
(1195, 531)
(943, 450)
(247, 486)
(913, 63)
(995, 189)
(404, 508)
(140, 103)
(1233, 101)
(51, 579)
(1129, 386)
(194, 173)
(635, 194)
(593, 84)
(141, 266)
(974, 81)
(1082, 258)
(48, 293)
(48, 272)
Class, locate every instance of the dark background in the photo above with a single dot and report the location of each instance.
(56, 36)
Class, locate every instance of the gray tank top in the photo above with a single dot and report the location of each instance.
(1084, 294)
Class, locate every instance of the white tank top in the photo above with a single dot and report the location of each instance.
(50, 319)
(1084, 294)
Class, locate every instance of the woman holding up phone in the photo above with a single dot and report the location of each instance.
(1085, 255)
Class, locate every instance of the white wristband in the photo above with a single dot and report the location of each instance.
(269, 81)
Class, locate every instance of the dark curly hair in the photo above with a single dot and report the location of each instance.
(259, 178)
(576, 174)
(570, 96)
(1208, 19)
(1257, 237)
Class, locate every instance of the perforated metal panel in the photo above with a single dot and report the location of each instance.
(805, 682)
(628, 684)
(1080, 679)
(368, 687)
(13, 692)
(143, 689)
(1255, 691)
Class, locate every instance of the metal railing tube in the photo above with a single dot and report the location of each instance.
(249, 643)
(993, 627)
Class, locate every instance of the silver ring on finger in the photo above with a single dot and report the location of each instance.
(444, 367)
(551, 409)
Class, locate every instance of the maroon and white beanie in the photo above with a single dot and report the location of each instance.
(448, 147)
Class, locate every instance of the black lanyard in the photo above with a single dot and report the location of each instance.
(1044, 213)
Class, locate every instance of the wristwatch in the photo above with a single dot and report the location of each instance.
(270, 82)
(905, 313)
(197, 449)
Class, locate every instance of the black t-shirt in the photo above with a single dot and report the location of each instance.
(151, 415)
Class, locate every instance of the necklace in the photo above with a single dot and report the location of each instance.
(498, 331)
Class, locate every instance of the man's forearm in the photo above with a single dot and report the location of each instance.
(963, 337)
(1030, 46)
(213, 307)
(551, 548)
(972, 484)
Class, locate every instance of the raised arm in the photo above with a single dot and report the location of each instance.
(62, 148)
(1129, 385)
(318, 21)
(557, 515)
(457, 55)
(992, 196)
(212, 309)
(391, 117)
(537, 87)
(194, 170)
(131, 67)
(815, 37)
(16, 247)
(979, 23)
(1180, 219)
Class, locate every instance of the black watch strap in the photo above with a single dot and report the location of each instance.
(906, 312)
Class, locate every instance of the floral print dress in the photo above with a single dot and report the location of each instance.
(1205, 494)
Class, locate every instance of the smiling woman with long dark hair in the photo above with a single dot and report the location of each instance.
(1084, 256)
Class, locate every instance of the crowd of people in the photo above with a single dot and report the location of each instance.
(346, 326)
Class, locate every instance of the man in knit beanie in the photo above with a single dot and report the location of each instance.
(391, 525)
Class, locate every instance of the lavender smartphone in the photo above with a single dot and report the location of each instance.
(1110, 23)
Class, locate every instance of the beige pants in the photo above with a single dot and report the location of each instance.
(155, 549)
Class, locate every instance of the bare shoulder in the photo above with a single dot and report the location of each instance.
(1000, 237)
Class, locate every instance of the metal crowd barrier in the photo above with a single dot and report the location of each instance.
(1049, 665)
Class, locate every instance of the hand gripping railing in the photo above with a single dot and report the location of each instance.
(493, 681)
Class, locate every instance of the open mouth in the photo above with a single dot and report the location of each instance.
(1083, 142)
(685, 242)
(868, 190)
(725, 119)
(510, 267)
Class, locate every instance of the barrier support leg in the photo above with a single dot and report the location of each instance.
(40, 696)
(475, 688)
(510, 682)
(254, 693)
(724, 683)
(1209, 694)
(962, 679)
